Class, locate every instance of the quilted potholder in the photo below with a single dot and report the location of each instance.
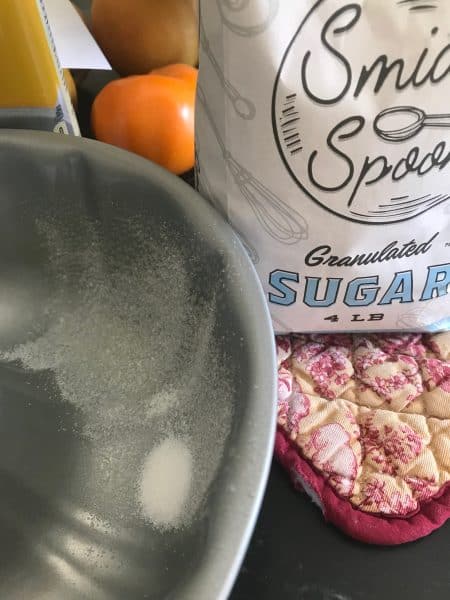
(364, 428)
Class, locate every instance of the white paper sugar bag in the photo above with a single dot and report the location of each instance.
(323, 136)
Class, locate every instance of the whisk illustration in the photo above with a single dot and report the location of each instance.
(205, 186)
(234, 6)
(278, 220)
(243, 106)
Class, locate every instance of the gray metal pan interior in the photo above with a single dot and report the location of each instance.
(56, 540)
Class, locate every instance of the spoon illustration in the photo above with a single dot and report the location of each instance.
(401, 123)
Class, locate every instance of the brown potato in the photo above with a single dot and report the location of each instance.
(140, 35)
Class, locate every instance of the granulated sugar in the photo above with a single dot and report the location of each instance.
(132, 348)
(166, 483)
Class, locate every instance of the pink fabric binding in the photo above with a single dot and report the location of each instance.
(365, 527)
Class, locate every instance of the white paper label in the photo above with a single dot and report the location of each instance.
(74, 43)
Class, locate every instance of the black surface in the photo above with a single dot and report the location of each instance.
(295, 555)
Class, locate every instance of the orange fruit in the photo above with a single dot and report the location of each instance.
(151, 115)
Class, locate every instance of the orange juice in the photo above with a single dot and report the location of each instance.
(33, 93)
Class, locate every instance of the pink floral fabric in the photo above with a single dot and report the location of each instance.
(370, 414)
